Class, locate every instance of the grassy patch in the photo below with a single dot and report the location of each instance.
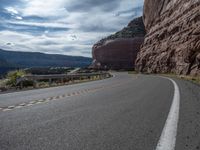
(195, 79)
(132, 72)
(3, 82)
(12, 77)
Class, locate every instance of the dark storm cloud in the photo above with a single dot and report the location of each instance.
(30, 29)
(132, 11)
(35, 18)
(69, 48)
(97, 28)
(4, 15)
(85, 5)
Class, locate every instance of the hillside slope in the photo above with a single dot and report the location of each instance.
(118, 51)
(34, 59)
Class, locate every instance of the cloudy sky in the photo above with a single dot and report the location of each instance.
(67, 27)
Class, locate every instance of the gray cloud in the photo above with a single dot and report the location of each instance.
(65, 26)
(131, 12)
(85, 5)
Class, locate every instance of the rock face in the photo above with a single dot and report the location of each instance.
(172, 43)
(119, 50)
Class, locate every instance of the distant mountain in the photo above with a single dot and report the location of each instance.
(15, 59)
(5, 66)
(4, 63)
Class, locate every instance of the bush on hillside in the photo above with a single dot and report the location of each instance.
(12, 77)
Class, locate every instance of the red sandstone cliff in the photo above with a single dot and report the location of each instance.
(172, 43)
(119, 50)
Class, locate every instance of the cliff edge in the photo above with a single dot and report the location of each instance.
(172, 43)
(119, 50)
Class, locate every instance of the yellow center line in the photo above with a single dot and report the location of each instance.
(46, 100)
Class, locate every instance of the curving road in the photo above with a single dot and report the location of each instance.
(126, 112)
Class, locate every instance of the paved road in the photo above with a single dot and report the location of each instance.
(126, 112)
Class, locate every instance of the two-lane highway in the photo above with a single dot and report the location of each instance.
(126, 112)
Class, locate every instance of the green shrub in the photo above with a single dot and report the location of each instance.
(12, 76)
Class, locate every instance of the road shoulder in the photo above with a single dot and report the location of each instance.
(189, 120)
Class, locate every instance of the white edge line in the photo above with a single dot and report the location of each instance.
(167, 139)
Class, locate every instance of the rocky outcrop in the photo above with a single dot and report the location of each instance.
(119, 50)
(172, 43)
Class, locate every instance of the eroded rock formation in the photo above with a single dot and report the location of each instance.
(119, 50)
(172, 43)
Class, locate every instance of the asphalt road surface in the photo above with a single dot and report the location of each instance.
(126, 112)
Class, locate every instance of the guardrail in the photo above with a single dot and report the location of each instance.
(61, 77)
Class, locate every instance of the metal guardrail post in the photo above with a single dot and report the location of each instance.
(21, 85)
(62, 80)
(50, 81)
(35, 83)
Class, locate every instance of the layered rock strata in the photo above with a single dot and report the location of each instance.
(119, 50)
(172, 43)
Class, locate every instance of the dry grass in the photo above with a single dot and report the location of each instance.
(190, 78)
(195, 79)
(3, 82)
(132, 72)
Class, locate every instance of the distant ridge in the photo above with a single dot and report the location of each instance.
(15, 59)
